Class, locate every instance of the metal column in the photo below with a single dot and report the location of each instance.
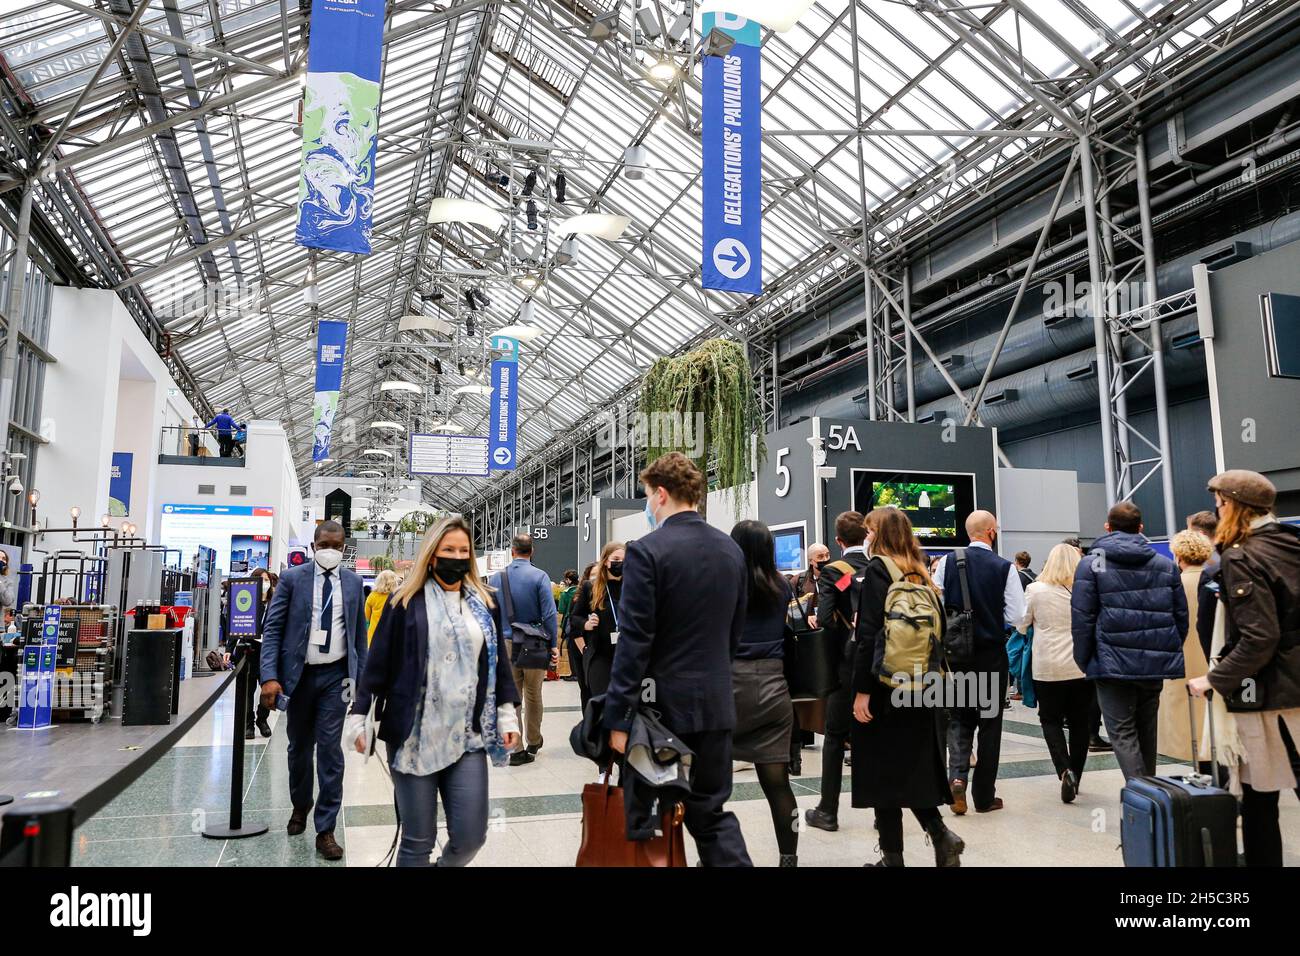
(14, 313)
(1157, 338)
(1097, 307)
(867, 300)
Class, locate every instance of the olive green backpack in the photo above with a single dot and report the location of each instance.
(911, 647)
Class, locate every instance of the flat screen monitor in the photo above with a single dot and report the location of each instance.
(937, 503)
(1282, 334)
(791, 546)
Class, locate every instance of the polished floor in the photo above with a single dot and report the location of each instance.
(536, 812)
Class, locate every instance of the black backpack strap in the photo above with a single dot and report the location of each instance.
(960, 555)
(507, 605)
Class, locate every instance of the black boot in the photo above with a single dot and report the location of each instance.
(948, 846)
(819, 818)
(888, 858)
(788, 860)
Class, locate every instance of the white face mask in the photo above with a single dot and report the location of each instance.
(328, 558)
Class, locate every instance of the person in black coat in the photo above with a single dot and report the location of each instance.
(593, 619)
(897, 754)
(680, 620)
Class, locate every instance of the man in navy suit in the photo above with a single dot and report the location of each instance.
(680, 618)
(313, 652)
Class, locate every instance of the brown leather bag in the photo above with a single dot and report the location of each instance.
(604, 832)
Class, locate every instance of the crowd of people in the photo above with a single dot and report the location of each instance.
(448, 665)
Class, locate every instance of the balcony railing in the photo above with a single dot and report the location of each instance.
(191, 445)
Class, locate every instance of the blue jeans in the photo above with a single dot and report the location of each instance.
(464, 790)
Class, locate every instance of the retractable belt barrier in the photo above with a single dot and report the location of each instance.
(40, 834)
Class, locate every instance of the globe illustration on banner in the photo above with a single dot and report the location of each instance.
(244, 601)
(340, 123)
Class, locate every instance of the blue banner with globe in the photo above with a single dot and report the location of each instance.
(340, 125)
(331, 336)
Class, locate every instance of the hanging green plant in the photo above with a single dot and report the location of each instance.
(710, 390)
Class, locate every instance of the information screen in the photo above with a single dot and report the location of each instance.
(223, 528)
(462, 455)
(937, 504)
(790, 549)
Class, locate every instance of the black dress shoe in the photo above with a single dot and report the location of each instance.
(263, 727)
(796, 767)
(248, 734)
(521, 757)
(297, 822)
(533, 748)
(328, 847)
(1069, 787)
(948, 846)
(819, 818)
(1099, 746)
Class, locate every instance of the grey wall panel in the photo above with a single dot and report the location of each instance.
(555, 549)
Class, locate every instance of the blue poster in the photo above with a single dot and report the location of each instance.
(330, 339)
(119, 484)
(505, 405)
(732, 204)
(245, 596)
(38, 673)
(340, 125)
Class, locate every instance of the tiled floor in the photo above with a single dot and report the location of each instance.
(536, 819)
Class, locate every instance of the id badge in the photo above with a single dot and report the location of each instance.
(321, 639)
(613, 637)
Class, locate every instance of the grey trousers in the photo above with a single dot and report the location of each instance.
(1129, 708)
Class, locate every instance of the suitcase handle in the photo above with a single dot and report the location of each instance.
(1196, 747)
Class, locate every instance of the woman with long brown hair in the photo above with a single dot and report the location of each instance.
(897, 759)
(445, 698)
(1256, 652)
(594, 618)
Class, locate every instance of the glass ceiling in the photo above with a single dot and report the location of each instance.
(186, 151)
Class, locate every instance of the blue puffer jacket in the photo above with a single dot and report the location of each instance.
(1128, 611)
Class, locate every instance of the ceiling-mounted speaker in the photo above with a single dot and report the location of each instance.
(635, 160)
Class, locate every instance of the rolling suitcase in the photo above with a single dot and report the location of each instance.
(1180, 820)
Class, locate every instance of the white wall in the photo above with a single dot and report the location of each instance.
(107, 391)
(1040, 507)
(723, 511)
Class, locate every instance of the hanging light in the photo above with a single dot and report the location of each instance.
(530, 213)
(377, 453)
(469, 324)
(561, 184)
(598, 224)
(395, 426)
(437, 366)
(635, 160)
(473, 390)
(530, 183)
(397, 385)
(664, 70)
(446, 209)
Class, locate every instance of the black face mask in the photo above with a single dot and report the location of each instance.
(616, 569)
(449, 570)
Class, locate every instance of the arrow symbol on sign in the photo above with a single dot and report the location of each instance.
(737, 257)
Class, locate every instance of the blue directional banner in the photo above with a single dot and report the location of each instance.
(505, 405)
(38, 673)
(732, 223)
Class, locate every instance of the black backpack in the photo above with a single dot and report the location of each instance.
(959, 628)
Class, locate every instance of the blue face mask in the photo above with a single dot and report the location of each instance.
(650, 516)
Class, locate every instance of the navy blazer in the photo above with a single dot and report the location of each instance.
(530, 597)
(680, 619)
(396, 665)
(288, 623)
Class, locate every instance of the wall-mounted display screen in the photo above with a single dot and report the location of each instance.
(190, 527)
(791, 548)
(249, 551)
(938, 504)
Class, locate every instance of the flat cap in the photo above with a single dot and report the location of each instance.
(1249, 487)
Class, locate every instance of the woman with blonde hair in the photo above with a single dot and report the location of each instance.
(385, 584)
(1191, 551)
(1065, 697)
(439, 675)
(594, 617)
(897, 759)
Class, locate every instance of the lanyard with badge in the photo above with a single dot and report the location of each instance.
(613, 611)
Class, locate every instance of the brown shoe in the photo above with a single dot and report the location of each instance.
(995, 805)
(959, 797)
(297, 822)
(328, 847)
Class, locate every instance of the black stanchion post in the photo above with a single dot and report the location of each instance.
(236, 828)
(37, 834)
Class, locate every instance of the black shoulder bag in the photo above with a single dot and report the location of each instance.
(532, 645)
(959, 626)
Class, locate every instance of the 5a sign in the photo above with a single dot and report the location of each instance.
(842, 437)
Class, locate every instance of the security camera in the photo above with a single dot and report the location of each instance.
(15, 486)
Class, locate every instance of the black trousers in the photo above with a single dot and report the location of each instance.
(716, 831)
(226, 444)
(966, 722)
(1065, 713)
(839, 724)
(578, 667)
(889, 824)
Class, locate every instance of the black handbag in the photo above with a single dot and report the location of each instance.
(532, 645)
(959, 628)
(810, 657)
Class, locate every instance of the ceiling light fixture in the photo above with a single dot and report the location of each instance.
(397, 385)
(446, 209)
(397, 426)
(664, 70)
(378, 453)
(598, 224)
(473, 390)
(427, 323)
